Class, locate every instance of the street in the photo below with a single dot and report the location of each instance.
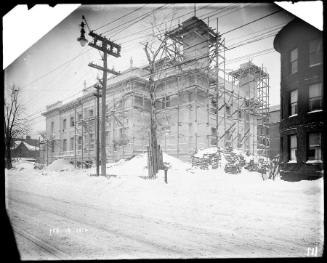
(50, 228)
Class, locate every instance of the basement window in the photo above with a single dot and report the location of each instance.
(314, 147)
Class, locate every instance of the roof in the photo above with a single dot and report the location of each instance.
(295, 23)
(28, 146)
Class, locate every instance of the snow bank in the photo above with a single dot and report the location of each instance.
(60, 165)
(137, 166)
(202, 152)
(23, 164)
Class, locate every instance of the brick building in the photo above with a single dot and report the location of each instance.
(302, 104)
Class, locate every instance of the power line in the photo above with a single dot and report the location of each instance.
(133, 20)
(111, 22)
(88, 50)
(253, 21)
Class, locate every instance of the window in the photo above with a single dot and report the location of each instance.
(315, 52)
(91, 138)
(79, 142)
(52, 146)
(213, 136)
(315, 97)
(314, 151)
(292, 147)
(64, 145)
(239, 140)
(147, 104)
(72, 143)
(91, 113)
(239, 114)
(166, 101)
(138, 100)
(52, 128)
(293, 102)
(228, 111)
(71, 121)
(293, 61)
(80, 116)
(64, 124)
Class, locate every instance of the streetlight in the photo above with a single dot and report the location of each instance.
(107, 47)
(82, 40)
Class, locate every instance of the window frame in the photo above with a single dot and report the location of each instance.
(64, 145)
(72, 121)
(296, 60)
(290, 148)
(64, 124)
(310, 99)
(314, 146)
(315, 52)
(290, 103)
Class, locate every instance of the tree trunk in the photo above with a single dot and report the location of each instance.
(153, 128)
(8, 152)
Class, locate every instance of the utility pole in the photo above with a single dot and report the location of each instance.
(108, 48)
(75, 134)
(47, 153)
(97, 95)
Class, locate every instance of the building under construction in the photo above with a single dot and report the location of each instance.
(198, 104)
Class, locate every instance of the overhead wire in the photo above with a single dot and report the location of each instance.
(88, 50)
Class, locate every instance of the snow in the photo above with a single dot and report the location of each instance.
(315, 111)
(292, 161)
(31, 147)
(202, 152)
(314, 161)
(243, 205)
(60, 165)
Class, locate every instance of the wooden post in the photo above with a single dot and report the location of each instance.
(75, 152)
(47, 153)
(82, 136)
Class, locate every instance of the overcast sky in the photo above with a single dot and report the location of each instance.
(56, 67)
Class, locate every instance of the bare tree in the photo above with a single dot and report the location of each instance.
(15, 125)
(152, 54)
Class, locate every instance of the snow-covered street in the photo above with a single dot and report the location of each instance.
(71, 215)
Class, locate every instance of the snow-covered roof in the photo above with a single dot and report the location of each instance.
(28, 146)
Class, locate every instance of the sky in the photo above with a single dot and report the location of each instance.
(56, 67)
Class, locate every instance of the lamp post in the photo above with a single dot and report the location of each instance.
(107, 47)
